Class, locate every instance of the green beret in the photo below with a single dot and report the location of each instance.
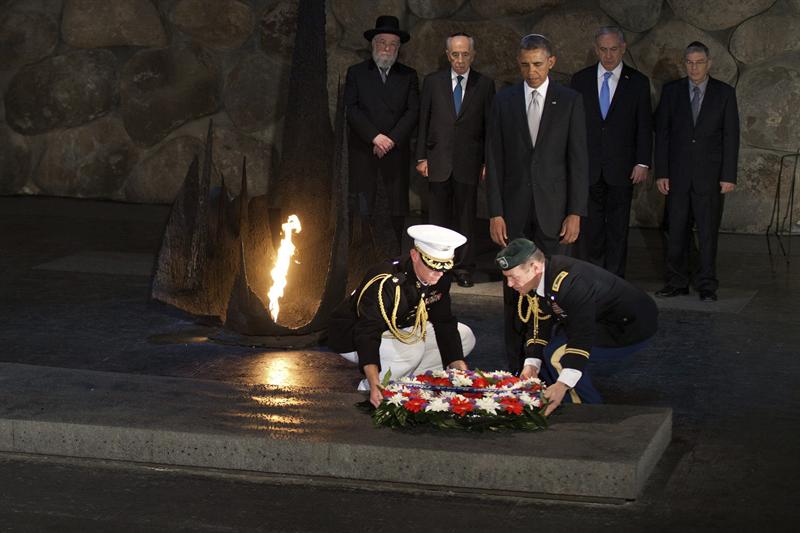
(517, 252)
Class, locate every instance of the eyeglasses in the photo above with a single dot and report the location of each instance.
(387, 44)
(696, 63)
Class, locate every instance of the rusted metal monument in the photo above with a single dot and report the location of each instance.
(219, 258)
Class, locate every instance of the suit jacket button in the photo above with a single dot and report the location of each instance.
(693, 141)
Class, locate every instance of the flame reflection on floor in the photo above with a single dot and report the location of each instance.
(277, 371)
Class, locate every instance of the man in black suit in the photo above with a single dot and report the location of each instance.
(697, 152)
(381, 99)
(536, 165)
(619, 130)
(450, 144)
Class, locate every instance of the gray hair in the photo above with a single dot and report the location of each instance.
(609, 30)
(696, 46)
(460, 34)
(535, 41)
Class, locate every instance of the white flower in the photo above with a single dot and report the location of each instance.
(460, 397)
(397, 399)
(460, 380)
(488, 405)
(438, 405)
(439, 374)
(529, 400)
(426, 394)
(448, 394)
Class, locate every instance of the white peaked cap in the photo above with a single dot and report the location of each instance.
(436, 241)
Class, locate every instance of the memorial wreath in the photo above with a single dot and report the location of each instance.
(461, 399)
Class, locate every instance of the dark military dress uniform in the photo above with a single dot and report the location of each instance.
(585, 311)
(392, 298)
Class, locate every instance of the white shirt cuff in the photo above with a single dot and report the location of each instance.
(533, 361)
(642, 165)
(570, 377)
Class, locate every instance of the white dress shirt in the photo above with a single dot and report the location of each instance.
(541, 92)
(612, 81)
(454, 80)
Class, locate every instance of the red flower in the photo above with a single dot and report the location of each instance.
(507, 381)
(460, 407)
(473, 395)
(441, 382)
(387, 393)
(415, 404)
(480, 383)
(424, 378)
(511, 405)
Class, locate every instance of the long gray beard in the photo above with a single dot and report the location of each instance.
(383, 63)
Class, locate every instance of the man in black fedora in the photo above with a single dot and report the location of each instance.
(381, 99)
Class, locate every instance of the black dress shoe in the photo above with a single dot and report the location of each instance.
(464, 279)
(669, 291)
(708, 296)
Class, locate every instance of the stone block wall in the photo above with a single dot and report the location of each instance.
(111, 98)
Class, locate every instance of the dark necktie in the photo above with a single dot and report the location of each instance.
(384, 73)
(695, 103)
(457, 92)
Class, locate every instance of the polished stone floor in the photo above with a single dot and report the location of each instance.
(74, 293)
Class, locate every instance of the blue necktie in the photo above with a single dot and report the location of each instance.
(457, 94)
(605, 96)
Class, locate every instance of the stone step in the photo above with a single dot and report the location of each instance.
(598, 453)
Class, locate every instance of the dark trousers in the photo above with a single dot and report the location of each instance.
(604, 237)
(514, 329)
(603, 361)
(706, 209)
(452, 204)
(393, 172)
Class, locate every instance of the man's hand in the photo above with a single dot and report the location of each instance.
(378, 152)
(570, 229)
(638, 174)
(459, 364)
(663, 185)
(383, 143)
(554, 394)
(373, 377)
(375, 394)
(422, 167)
(726, 186)
(497, 231)
(529, 371)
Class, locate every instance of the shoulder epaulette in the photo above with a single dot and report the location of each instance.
(557, 282)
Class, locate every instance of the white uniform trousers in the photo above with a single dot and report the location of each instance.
(412, 359)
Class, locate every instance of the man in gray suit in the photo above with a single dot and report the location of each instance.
(537, 169)
(450, 144)
(697, 152)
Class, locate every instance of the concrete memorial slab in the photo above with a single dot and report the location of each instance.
(590, 453)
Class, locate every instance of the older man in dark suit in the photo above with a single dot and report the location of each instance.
(697, 153)
(536, 165)
(619, 129)
(381, 99)
(450, 144)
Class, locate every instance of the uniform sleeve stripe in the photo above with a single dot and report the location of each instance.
(577, 351)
